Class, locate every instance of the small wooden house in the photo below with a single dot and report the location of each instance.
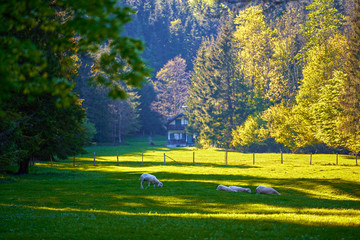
(176, 133)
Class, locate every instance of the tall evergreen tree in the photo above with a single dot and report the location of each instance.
(42, 131)
(217, 101)
(169, 28)
(201, 92)
(151, 121)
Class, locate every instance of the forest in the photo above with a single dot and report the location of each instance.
(256, 76)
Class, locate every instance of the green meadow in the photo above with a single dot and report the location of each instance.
(82, 201)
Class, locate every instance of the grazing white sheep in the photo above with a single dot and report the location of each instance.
(151, 179)
(266, 190)
(224, 188)
(240, 189)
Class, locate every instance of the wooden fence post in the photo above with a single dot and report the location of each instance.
(74, 162)
(282, 160)
(310, 158)
(142, 158)
(117, 158)
(356, 158)
(94, 158)
(193, 158)
(253, 158)
(337, 159)
(226, 157)
(164, 158)
(51, 161)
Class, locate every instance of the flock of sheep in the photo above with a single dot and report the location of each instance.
(151, 179)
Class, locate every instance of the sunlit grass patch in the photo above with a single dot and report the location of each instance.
(318, 201)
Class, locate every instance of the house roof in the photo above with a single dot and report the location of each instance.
(170, 119)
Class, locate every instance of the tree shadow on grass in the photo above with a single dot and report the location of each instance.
(182, 192)
(102, 161)
(84, 224)
(115, 197)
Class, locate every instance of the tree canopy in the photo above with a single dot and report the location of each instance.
(40, 43)
(41, 40)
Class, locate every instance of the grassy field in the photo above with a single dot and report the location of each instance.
(63, 201)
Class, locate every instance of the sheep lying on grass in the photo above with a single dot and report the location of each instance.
(224, 188)
(266, 190)
(151, 179)
(240, 189)
(232, 189)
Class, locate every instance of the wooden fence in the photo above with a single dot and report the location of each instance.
(232, 158)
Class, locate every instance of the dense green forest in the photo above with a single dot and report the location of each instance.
(257, 76)
(254, 75)
(284, 80)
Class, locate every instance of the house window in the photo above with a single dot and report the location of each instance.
(176, 136)
(178, 122)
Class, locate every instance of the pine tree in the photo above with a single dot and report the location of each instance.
(201, 92)
(217, 101)
(150, 120)
(40, 130)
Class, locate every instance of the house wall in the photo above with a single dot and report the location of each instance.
(178, 135)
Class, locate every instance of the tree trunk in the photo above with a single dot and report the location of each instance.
(24, 166)
(120, 122)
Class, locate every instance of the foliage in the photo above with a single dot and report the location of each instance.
(150, 120)
(253, 37)
(250, 134)
(90, 130)
(41, 130)
(217, 94)
(9, 154)
(316, 116)
(281, 124)
(327, 111)
(171, 86)
(323, 23)
(125, 117)
(350, 97)
(286, 70)
(322, 81)
(41, 40)
(170, 28)
(26, 55)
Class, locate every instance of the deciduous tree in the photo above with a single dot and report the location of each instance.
(350, 97)
(253, 37)
(171, 86)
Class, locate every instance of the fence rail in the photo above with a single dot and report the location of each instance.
(219, 158)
